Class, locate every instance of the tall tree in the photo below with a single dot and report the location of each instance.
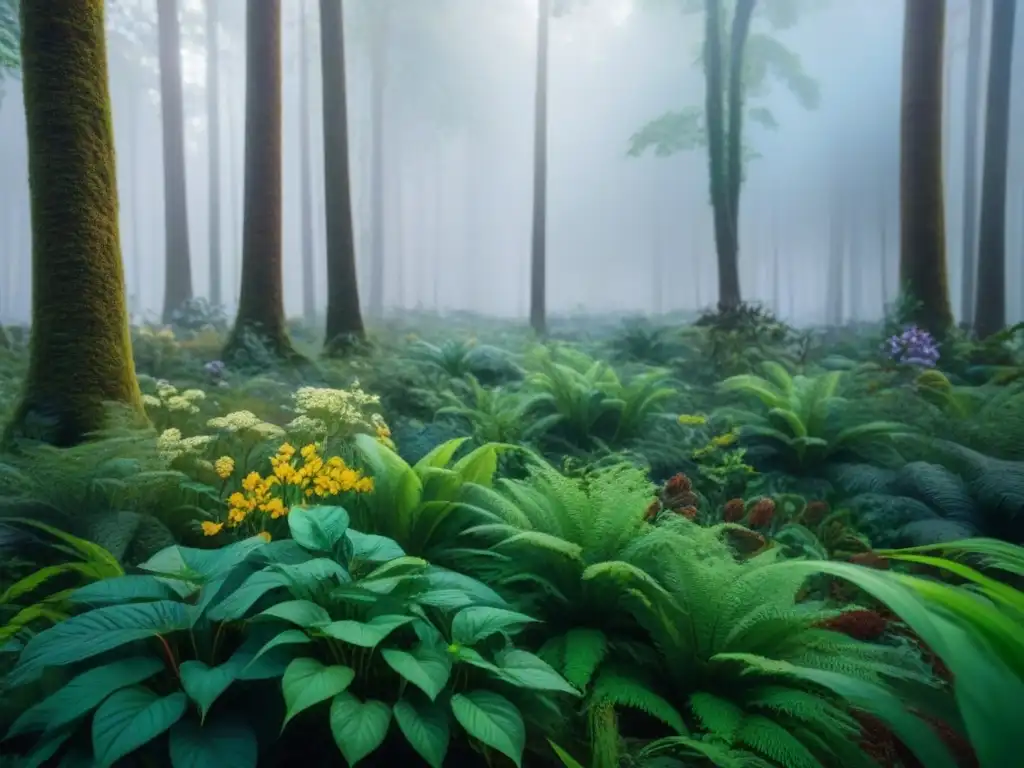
(990, 312)
(922, 213)
(305, 171)
(213, 136)
(81, 355)
(972, 115)
(380, 23)
(177, 259)
(538, 240)
(344, 319)
(261, 300)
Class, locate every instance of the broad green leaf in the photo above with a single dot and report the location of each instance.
(130, 718)
(359, 727)
(567, 760)
(425, 727)
(528, 671)
(206, 564)
(479, 465)
(287, 637)
(585, 649)
(426, 667)
(124, 589)
(478, 622)
(365, 634)
(440, 456)
(493, 720)
(307, 682)
(318, 529)
(304, 613)
(219, 743)
(46, 748)
(374, 548)
(238, 603)
(401, 566)
(472, 657)
(314, 573)
(204, 684)
(83, 693)
(100, 630)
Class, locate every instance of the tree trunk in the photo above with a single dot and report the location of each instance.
(538, 240)
(972, 114)
(990, 313)
(378, 84)
(835, 312)
(344, 319)
(213, 135)
(177, 259)
(261, 300)
(306, 173)
(776, 276)
(922, 228)
(81, 356)
(883, 251)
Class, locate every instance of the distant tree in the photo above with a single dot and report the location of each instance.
(379, 34)
(80, 355)
(538, 238)
(305, 170)
(344, 318)
(972, 119)
(922, 214)
(213, 137)
(261, 301)
(990, 311)
(736, 69)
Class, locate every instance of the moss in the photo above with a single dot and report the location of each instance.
(261, 301)
(80, 354)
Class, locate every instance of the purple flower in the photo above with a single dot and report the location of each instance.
(215, 369)
(914, 346)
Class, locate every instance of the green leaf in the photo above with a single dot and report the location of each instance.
(220, 743)
(374, 548)
(567, 760)
(287, 637)
(365, 634)
(425, 727)
(528, 671)
(202, 564)
(493, 720)
(100, 630)
(304, 613)
(585, 649)
(318, 529)
(313, 573)
(478, 622)
(359, 727)
(82, 693)
(131, 718)
(123, 589)
(426, 667)
(204, 684)
(46, 748)
(479, 465)
(307, 682)
(238, 603)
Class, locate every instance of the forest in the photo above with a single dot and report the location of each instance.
(533, 383)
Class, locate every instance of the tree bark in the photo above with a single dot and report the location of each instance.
(177, 259)
(972, 114)
(261, 300)
(538, 238)
(344, 318)
(81, 355)
(306, 173)
(213, 135)
(922, 213)
(990, 312)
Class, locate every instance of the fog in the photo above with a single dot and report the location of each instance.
(624, 234)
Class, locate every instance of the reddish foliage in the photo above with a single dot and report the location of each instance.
(734, 510)
(678, 483)
(814, 513)
(860, 625)
(877, 741)
(690, 513)
(870, 560)
(652, 510)
(761, 514)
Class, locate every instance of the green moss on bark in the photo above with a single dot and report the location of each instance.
(261, 301)
(80, 355)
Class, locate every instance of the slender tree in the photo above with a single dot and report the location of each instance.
(922, 213)
(990, 311)
(261, 300)
(213, 136)
(81, 355)
(177, 259)
(305, 171)
(344, 319)
(538, 241)
(972, 116)
(380, 25)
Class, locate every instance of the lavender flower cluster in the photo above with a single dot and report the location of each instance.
(914, 346)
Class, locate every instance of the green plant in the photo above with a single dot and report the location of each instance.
(494, 415)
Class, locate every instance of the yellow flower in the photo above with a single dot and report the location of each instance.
(265, 535)
(365, 485)
(286, 451)
(275, 508)
(692, 419)
(237, 514)
(224, 466)
(308, 451)
(211, 529)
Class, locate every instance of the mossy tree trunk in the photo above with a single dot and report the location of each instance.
(81, 354)
(261, 301)
(538, 242)
(990, 308)
(344, 318)
(922, 212)
(177, 258)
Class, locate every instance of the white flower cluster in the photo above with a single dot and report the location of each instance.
(245, 422)
(171, 444)
(169, 398)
